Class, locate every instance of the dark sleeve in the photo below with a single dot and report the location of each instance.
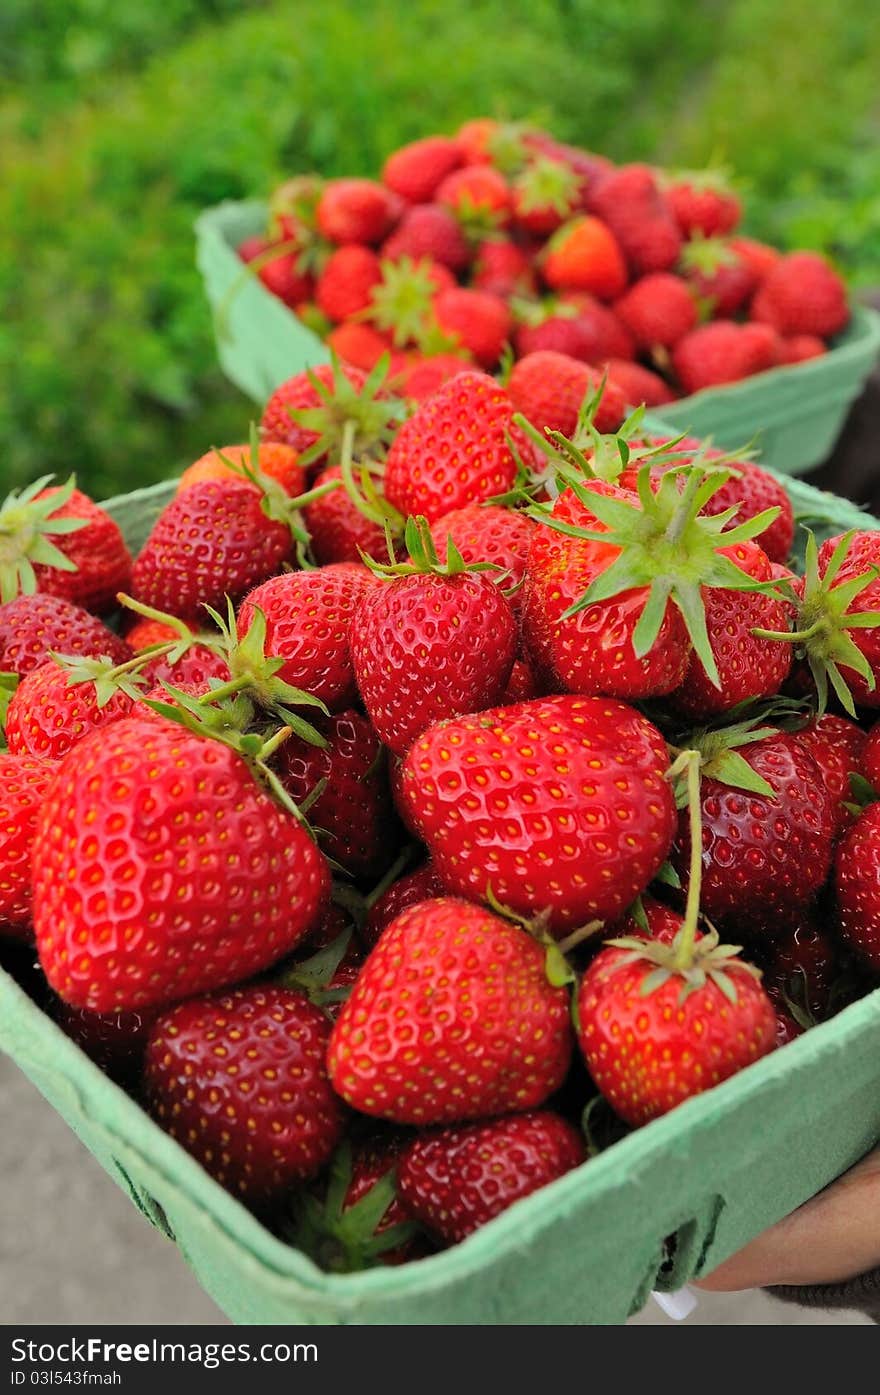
(861, 1294)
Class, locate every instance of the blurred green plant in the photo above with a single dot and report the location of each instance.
(120, 121)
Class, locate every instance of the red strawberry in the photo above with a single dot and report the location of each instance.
(684, 1034)
(358, 344)
(429, 230)
(24, 784)
(338, 531)
(430, 642)
(452, 1018)
(56, 704)
(753, 490)
(346, 282)
(58, 542)
(415, 171)
(764, 858)
(477, 322)
(522, 685)
(456, 1179)
(239, 1080)
(550, 389)
(638, 384)
(311, 410)
(556, 805)
(719, 275)
(857, 887)
(802, 967)
(283, 275)
(454, 450)
(757, 255)
(786, 1027)
(608, 335)
(163, 869)
(545, 194)
(588, 331)
(31, 627)
(307, 620)
(489, 533)
(356, 210)
(658, 310)
(277, 461)
(115, 1041)
(702, 204)
(421, 885)
(426, 375)
(584, 256)
(749, 667)
(478, 195)
(354, 809)
(195, 667)
(722, 352)
(212, 541)
(633, 207)
(801, 347)
(502, 268)
(802, 294)
(869, 765)
(839, 749)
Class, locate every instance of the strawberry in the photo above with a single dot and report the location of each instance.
(339, 530)
(691, 1016)
(631, 203)
(58, 542)
(544, 195)
(454, 450)
(354, 809)
(425, 375)
(239, 1080)
(522, 685)
(475, 321)
(307, 616)
(869, 764)
(415, 171)
(703, 204)
(722, 352)
(529, 803)
(432, 640)
(31, 627)
(485, 141)
(801, 347)
(456, 1179)
(839, 748)
(58, 703)
(802, 967)
(277, 461)
(586, 330)
(749, 667)
(787, 1029)
(346, 282)
(489, 533)
(356, 210)
(752, 490)
(722, 278)
(428, 230)
(421, 885)
(608, 335)
(311, 411)
(115, 1041)
(502, 268)
(766, 847)
(479, 196)
(857, 887)
(637, 383)
(24, 784)
(802, 294)
(658, 310)
(359, 345)
(211, 541)
(583, 255)
(759, 256)
(452, 1018)
(196, 665)
(402, 302)
(162, 868)
(283, 274)
(551, 389)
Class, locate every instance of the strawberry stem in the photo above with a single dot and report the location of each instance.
(684, 954)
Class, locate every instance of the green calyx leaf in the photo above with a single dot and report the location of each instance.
(364, 491)
(401, 304)
(375, 418)
(861, 790)
(109, 678)
(314, 974)
(346, 1239)
(547, 183)
(668, 547)
(718, 747)
(423, 556)
(696, 964)
(8, 684)
(821, 633)
(707, 255)
(26, 528)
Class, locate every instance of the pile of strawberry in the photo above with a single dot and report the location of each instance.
(397, 819)
(501, 240)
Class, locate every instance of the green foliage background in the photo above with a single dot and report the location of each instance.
(121, 119)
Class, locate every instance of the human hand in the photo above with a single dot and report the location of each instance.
(832, 1237)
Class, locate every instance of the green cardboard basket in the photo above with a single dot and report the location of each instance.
(796, 413)
(667, 1203)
